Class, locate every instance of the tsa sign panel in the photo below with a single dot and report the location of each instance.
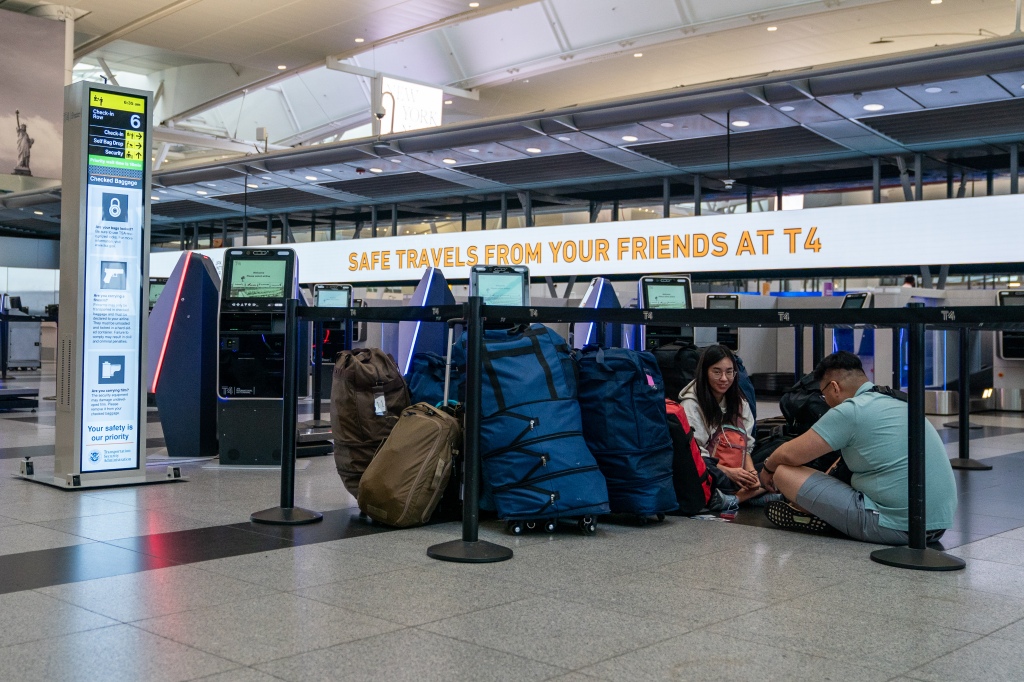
(114, 253)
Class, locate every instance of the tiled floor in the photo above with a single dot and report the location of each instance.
(172, 582)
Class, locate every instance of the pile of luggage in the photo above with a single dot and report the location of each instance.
(564, 436)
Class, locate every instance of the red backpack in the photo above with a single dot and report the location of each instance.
(690, 475)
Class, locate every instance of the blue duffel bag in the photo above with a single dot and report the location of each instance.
(622, 399)
(426, 379)
(535, 463)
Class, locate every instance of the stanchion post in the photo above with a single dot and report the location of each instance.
(288, 514)
(470, 549)
(798, 352)
(5, 330)
(817, 344)
(963, 422)
(916, 555)
(897, 358)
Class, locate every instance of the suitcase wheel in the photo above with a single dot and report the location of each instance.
(531, 525)
(588, 525)
(550, 525)
(515, 527)
(641, 521)
(661, 517)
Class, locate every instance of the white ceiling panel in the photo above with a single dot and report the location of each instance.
(500, 41)
(593, 22)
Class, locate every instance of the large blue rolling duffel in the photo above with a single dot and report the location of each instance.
(536, 465)
(622, 399)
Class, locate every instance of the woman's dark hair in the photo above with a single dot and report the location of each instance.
(709, 407)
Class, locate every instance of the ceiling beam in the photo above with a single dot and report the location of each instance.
(96, 43)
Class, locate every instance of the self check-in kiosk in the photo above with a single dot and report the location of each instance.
(251, 354)
(856, 301)
(156, 287)
(1008, 375)
(727, 336)
(664, 293)
(335, 333)
(501, 285)
(600, 294)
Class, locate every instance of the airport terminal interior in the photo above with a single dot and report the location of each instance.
(212, 211)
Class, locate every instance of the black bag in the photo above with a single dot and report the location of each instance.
(764, 448)
(802, 405)
(678, 365)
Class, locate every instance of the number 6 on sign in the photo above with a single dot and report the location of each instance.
(135, 121)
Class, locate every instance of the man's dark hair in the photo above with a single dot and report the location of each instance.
(841, 361)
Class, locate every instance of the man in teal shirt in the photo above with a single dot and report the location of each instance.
(870, 428)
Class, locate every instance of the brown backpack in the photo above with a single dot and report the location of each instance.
(367, 396)
(404, 482)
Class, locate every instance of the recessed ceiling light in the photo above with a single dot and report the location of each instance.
(154, 198)
(376, 170)
(630, 138)
(311, 177)
(200, 192)
(533, 150)
(936, 2)
(773, 28)
(395, 160)
(787, 108)
(449, 161)
(251, 185)
(741, 124)
(474, 5)
(527, 80)
(38, 212)
(211, 184)
(447, 101)
(360, 40)
(266, 177)
(666, 124)
(473, 151)
(326, 170)
(932, 90)
(874, 107)
(281, 67)
(638, 54)
(566, 138)
(162, 191)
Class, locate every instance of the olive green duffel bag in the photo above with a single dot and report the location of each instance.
(406, 478)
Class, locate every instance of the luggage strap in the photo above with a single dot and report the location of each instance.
(534, 349)
(529, 484)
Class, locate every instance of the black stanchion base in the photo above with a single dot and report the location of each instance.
(460, 551)
(318, 424)
(970, 464)
(286, 516)
(956, 425)
(918, 559)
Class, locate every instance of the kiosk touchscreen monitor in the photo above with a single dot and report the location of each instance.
(156, 287)
(855, 301)
(665, 293)
(332, 295)
(256, 279)
(501, 285)
(1011, 344)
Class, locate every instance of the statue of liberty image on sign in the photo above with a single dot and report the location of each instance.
(24, 146)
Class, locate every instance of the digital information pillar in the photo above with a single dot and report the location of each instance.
(104, 288)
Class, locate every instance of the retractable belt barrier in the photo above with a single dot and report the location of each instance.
(470, 549)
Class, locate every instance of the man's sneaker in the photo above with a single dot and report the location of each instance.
(720, 501)
(785, 515)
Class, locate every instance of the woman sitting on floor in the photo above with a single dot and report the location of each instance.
(723, 426)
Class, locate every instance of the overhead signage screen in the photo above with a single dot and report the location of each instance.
(114, 291)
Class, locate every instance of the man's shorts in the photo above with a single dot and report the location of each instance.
(842, 507)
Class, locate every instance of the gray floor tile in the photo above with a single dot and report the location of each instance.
(35, 508)
(417, 595)
(890, 644)
(916, 600)
(125, 524)
(410, 655)
(988, 659)
(999, 549)
(678, 598)
(577, 677)
(1016, 534)
(298, 567)
(711, 657)
(1014, 631)
(554, 631)
(4, 521)
(28, 616)
(240, 675)
(155, 593)
(266, 628)
(121, 652)
(769, 576)
(28, 537)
